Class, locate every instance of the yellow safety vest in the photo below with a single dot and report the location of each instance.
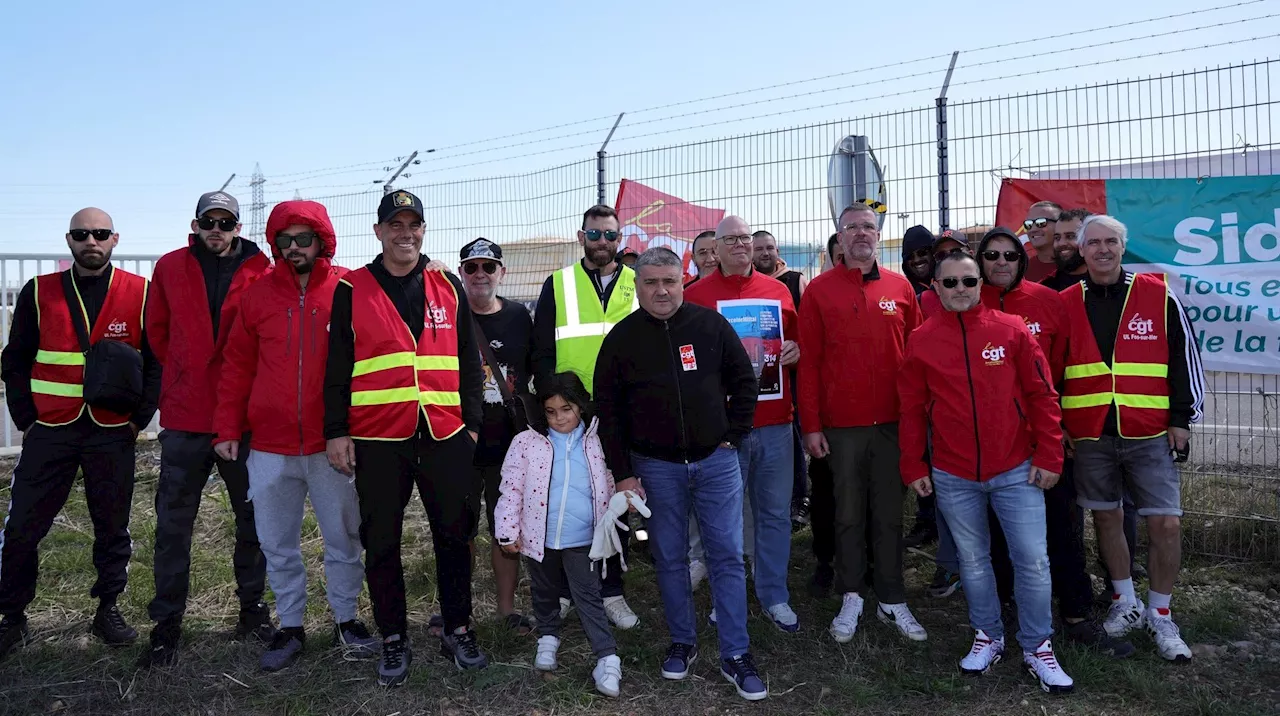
(582, 323)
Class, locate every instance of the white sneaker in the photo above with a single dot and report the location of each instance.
(901, 617)
(566, 606)
(1123, 616)
(845, 625)
(711, 618)
(619, 613)
(545, 658)
(697, 573)
(986, 653)
(1043, 665)
(784, 618)
(608, 675)
(1165, 634)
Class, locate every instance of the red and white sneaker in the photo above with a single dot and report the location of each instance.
(986, 653)
(1043, 665)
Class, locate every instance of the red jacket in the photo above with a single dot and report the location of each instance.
(180, 330)
(979, 384)
(853, 330)
(274, 359)
(1044, 314)
(717, 287)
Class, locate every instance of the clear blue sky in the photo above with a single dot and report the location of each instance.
(139, 107)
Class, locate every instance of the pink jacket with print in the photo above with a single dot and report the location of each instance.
(521, 513)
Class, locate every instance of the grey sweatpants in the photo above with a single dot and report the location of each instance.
(278, 488)
(545, 579)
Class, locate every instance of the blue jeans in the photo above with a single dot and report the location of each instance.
(765, 458)
(712, 488)
(1020, 508)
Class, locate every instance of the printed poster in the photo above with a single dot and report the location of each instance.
(758, 322)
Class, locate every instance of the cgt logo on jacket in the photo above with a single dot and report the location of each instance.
(993, 355)
(1141, 329)
(1033, 326)
(117, 329)
(439, 317)
(888, 306)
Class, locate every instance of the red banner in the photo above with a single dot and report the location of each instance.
(650, 218)
(1017, 196)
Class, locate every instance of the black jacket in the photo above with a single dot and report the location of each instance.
(544, 319)
(672, 390)
(916, 238)
(219, 271)
(405, 293)
(1104, 304)
(24, 341)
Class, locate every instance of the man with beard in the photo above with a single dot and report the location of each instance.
(43, 367)
(1066, 252)
(917, 259)
(577, 308)
(1042, 216)
(769, 262)
(705, 258)
(195, 297)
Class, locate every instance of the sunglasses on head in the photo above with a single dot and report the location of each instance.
(993, 255)
(938, 257)
(207, 223)
(1038, 223)
(597, 234)
(79, 235)
(303, 240)
(490, 267)
(952, 281)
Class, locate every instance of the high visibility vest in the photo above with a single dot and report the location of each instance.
(395, 375)
(582, 323)
(57, 377)
(1137, 382)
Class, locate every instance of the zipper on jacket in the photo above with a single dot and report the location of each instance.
(684, 446)
(973, 399)
(1021, 416)
(564, 493)
(302, 312)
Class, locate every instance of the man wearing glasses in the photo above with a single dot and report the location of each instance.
(577, 308)
(195, 297)
(43, 367)
(507, 329)
(1042, 217)
(854, 324)
(980, 381)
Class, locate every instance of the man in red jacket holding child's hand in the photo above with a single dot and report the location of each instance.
(976, 380)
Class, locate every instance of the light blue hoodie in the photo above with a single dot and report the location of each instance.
(570, 515)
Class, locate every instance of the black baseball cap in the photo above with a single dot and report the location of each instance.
(957, 236)
(628, 251)
(396, 202)
(481, 248)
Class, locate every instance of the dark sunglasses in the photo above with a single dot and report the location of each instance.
(207, 224)
(79, 235)
(597, 234)
(303, 241)
(919, 254)
(938, 257)
(993, 255)
(952, 281)
(1038, 223)
(489, 267)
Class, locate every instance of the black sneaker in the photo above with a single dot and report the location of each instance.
(255, 621)
(922, 534)
(679, 658)
(945, 583)
(354, 639)
(820, 584)
(464, 650)
(285, 649)
(393, 666)
(1089, 634)
(13, 633)
(165, 636)
(741, 672)
(109, 625)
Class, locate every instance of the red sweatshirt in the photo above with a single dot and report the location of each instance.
(853, 331)
(981, 384)
(1041, 309)
(717, 287)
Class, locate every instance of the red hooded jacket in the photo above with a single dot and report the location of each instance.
(981, 384)
(180, 331)
(274, 359)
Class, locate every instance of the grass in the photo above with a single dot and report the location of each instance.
(65, 671)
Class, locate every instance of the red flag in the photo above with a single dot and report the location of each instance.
(650, 218)
(1017, 196)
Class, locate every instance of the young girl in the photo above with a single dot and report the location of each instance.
(555, 488)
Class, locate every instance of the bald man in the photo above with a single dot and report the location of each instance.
(86, 320)
(761, 310)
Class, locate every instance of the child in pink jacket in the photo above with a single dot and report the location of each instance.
(555, 489)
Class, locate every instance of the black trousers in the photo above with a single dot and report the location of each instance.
(822, 510)
(186, 459)
(386, 472)
(42, 483)
(1064, 523)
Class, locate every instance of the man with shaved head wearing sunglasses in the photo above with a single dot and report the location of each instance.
(62, 324)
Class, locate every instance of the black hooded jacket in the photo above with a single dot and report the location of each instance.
(916, 238)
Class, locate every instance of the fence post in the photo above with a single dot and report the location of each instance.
(944, 189)
(600, 155)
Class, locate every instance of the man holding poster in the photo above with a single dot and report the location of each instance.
(762, 313)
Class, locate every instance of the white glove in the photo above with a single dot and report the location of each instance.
(607, 542)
